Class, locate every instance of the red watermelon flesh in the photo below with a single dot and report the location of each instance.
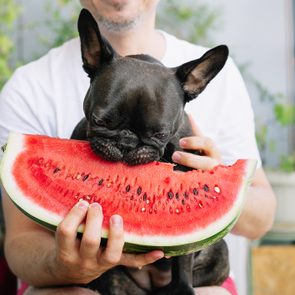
(45, 177)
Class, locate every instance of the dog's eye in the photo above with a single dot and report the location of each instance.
(98, 122)
(160, 135)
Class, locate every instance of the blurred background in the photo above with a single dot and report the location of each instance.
(260, 36)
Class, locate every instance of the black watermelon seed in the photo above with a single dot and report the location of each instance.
(185, 195)
(100, 182)
(177, 196)
(139, 190)
(85, 177)
(128, 188)
(56, 170)
(170, 195)
(183, 201)
(206, 188)
(144, 197)
(195, 191)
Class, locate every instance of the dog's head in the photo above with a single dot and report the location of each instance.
(135, 105)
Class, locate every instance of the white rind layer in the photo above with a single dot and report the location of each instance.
(15, 146)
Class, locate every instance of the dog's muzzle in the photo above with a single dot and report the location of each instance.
(125, 147)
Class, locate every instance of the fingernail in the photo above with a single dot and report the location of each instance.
(95, 205)
(116, 220)
(182, 142)
(158, 254)
(176, 157)
(83, 204)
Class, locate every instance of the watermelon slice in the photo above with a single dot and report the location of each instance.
(162, 208)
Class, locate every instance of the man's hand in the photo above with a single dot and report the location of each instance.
(63, 259)
(81, 261)
(210, 154)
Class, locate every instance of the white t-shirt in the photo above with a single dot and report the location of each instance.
(46, 96)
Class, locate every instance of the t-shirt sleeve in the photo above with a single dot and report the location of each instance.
(17, 110)
(236, 135)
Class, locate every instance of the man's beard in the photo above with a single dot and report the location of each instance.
(118, 25)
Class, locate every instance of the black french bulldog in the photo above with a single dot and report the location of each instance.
(134, 112)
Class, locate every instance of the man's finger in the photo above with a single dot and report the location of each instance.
(90, 242)
(66, 232)
(113, 251)
(140, 260)
(204, 144)
(194, 161)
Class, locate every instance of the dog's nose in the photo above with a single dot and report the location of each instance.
(126, 133)
(128, 140)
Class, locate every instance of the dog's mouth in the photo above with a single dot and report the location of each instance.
(131, 152)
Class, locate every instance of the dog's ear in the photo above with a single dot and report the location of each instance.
(95, 49)
(196, 74)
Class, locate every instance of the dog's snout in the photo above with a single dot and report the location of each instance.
(128, 140)
(126, 133)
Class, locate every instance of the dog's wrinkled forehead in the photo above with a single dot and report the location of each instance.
(136, 81)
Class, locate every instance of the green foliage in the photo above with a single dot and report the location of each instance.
(285, 116)
(262, 139)
(189, 19)
(8, 14)
(288, 163)
(284, 113)
(281, 116)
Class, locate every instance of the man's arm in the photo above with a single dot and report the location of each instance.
(42, 258)
(29, 249)
(259, 211)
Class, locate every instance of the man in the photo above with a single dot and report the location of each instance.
(45, 97)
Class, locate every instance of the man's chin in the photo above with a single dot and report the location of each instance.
(118, 24)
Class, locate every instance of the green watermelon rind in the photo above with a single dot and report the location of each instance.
(181, 249)
(172, 245)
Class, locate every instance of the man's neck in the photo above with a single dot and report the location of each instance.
(143, 39)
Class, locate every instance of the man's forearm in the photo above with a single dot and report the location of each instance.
(29, 248)
(36, 263)
(258, 214)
